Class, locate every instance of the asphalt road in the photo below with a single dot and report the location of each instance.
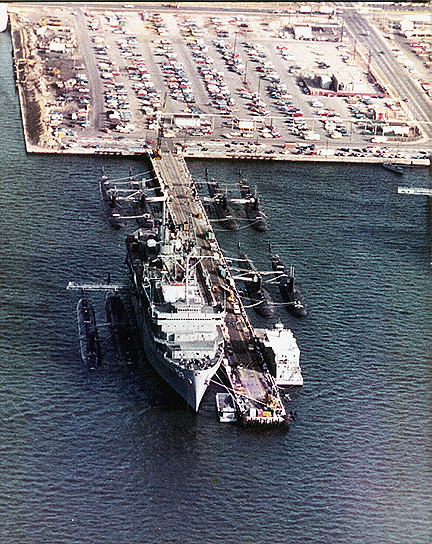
(380, 54)
(95, 80)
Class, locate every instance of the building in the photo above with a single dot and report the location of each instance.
(303, 32)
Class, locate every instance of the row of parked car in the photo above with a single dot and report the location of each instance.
(177, 83)
(214, 80)
(119, 114)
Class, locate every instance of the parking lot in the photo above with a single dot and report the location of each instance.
(237, 82)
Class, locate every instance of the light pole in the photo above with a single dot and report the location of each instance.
(235, 45)
(244, 77)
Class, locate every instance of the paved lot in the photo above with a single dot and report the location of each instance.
(244, 74)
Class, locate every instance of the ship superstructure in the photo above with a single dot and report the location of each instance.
(181, 329)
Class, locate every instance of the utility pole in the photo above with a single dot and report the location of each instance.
(244, 77)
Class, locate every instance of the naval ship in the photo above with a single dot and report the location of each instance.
(290, 294)
(258, 296)
(181, 329)
(252, 208)
(221, 206)
(110, 204)
(88, 334)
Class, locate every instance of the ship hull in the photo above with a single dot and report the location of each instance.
(252, 209)
(222, 210)
(256, 220)
(293, 300)
(258, 296)
(260, 302)
(191, 385)
(117, 320)
(291, 296)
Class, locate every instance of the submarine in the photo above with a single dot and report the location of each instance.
(252, 207)
(118, 325)
(88, 334)
(290, 295)
(110, 204)
(221, 206)
(258, 296)
(143, 212)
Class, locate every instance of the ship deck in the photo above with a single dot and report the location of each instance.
(184, 204)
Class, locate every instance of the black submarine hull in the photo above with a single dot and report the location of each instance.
(110, 205)
(290, 295)
(88, 334)
(119, 329)
(221, 207)
(252, 209)
(258, 296)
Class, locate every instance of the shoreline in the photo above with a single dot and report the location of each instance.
(286, 157)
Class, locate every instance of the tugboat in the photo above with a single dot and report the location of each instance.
(221, 205)
(290, 295)
(88, 334)
(258, 296)
(117, 319)
(110, 204)
(252, 208)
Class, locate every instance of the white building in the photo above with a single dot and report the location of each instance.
(302, 32)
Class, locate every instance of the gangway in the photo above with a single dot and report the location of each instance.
(421, 191)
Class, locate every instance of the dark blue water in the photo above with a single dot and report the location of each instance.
(108, 458)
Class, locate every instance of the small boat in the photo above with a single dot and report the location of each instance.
(110, 204)
(88, 334)
(290, 295)
(252, 208)
(225, 408)
(258, 296)
(118, 325)
(397, 168)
